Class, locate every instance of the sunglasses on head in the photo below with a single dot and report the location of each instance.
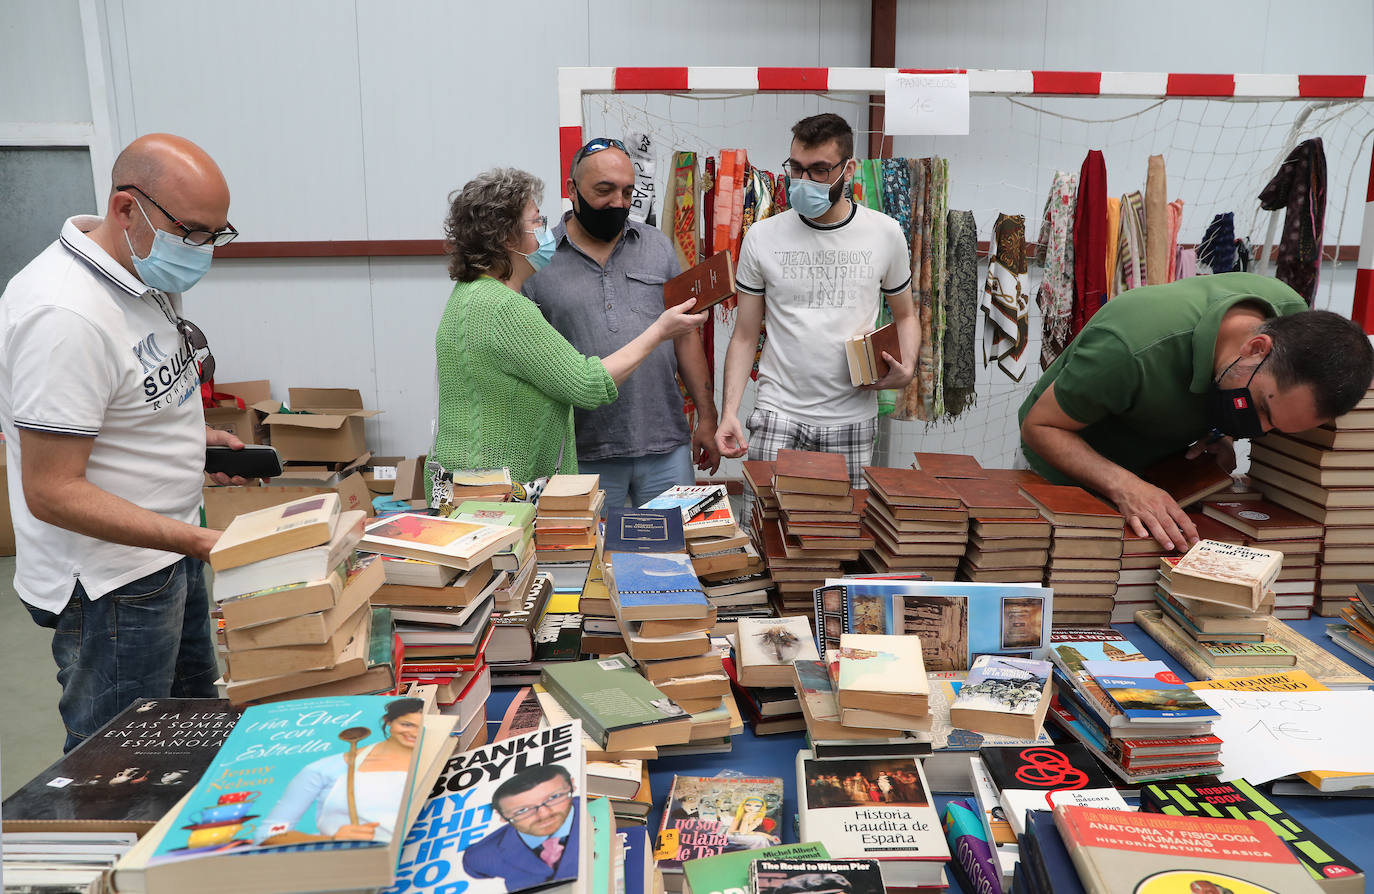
(591, 147)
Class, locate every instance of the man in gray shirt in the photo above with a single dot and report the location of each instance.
(602, 288)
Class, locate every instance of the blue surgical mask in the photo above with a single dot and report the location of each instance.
(812, 199)
(540, 257)
(171, 264)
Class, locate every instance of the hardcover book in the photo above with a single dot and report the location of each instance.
(910, 487)
(992, 498)
(728, 873)
(1003, 695)
(882, 672)
(619, 709)
(468, 839)
(444, 541)
(864, 353)
(1188, 480)
(1073, 507)
(950, 465)
(1149, 692)
(1238, 799)
(1261, 520)
(644, 531)
(1134, 853)
(811, 472)
(276, 530)
(129, 772)
(1039, 778)
(877, 808)
(769, 875)
(706, 285)
(705, 816)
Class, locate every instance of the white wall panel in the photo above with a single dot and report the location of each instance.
(270, 89)
(42, 62)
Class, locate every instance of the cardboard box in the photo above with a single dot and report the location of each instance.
(6, 523)
(326, 425)
(380, 473)
(247, 423)
(222, 504)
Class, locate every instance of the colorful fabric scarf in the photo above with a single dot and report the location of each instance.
(961, 311)
(680, 218)
(909, 404)
(937, 212)
(1113, 243)
(1131, 244)
(1089, 241)
(1216, 253)
(1175, 222)
(1300, 188)
(1055, 297)
(1185, 265)
(1006, 329)
(1156, 222)
(896, 179)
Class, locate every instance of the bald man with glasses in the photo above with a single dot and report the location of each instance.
(101, 412)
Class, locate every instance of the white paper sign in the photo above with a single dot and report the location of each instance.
(383, 473)
(916, 104)
(1266, 735)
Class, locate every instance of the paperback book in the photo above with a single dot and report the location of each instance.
(1003, 695)
(1149, 692)
(773, 876)
(705, 816)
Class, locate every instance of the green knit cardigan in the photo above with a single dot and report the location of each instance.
(507, 384)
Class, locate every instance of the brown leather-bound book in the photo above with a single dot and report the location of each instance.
(1020, 476)
(1261, 520)
(884, 338)
(990, 498)
(1211, 529)
(758, 474)
(811, 472)
(1065, 504)
(910, 487)
(950, 465)
(709, 283)
(1188, 480)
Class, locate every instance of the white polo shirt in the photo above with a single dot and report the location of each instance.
(86, 349)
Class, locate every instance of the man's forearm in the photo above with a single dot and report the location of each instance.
(739, 359)
(692, 365)
(1070, 454)
(80, 506)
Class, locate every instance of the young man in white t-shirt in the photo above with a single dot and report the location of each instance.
(101, 411)
(821, 271)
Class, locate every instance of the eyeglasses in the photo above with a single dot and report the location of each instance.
(538, 222)
(550, 802)
(189, 235)
(818, 171)
(594, 146)
(200, 348)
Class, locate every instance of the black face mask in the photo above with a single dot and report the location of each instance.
(602, 224)
(1231, 411)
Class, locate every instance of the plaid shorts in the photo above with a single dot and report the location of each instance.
(770, 432)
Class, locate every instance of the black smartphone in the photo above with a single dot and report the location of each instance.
(253, 461)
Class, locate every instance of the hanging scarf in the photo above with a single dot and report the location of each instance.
(1185, 265)
(1156, 222)
(961, 311)
(1216, 253)
(1055, 297)
(1300, 188)
(1089, 242)
(726, 184)
(680, 222)
(909, 404)
(1006, 331)
(1175, 223)
(896, 180)
(1113, 243)
(936, 217)
(1131, 244)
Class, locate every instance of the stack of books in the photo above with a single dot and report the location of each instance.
(620, 710)
(829, 736)
(1010, 542)
(761, 670)
(880, 681)
(601, 633)
(769, 709)
(292, 597)
(920, 523)
(949, 465)
(517, 560)
(565, 528)
(1139, 742)
(1137, 582)
(1356, 634)
(458, 486)
(761, 498)
(666, 619)
(1270, 526)
(1327, 475)
(1085, 552)
(813, 494)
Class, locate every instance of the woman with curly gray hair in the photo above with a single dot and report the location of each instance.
(507, 379)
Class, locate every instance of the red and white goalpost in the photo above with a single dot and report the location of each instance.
(1223, 136)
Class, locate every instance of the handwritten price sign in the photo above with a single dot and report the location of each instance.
(1270, 734)
(926, 104)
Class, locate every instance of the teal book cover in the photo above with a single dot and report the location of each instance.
(645, 579)
(323, 772)
(603, 827)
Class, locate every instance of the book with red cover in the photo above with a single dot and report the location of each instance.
(811, 472)
(708, 283)
(758, 474)
(884, 338)
(911, 487)
(1188, 480)
(1210, 529)
(1065, 504)
(1261, 520)
(1020, 476)
(950, 465)
(990, 498)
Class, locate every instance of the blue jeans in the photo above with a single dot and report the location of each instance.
(148, 639)
(641, 478)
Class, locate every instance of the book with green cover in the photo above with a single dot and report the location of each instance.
(729, 872)
(512, 515)
(619, 708)
(1238, 799)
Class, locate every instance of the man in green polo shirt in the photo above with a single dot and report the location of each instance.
(1195, 362)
